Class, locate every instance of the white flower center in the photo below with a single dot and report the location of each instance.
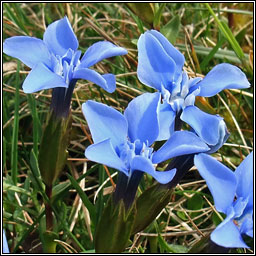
(181, 93)
(129, 150)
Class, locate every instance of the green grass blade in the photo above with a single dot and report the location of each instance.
(14, 155)
(4, 152)
(60, 190)
(7, 131)
(15, 17)
(83, 197)
(228, 55)
(228, 34)
(158, 16)
(28, 231)
(137, 20)
(211, 54)
(36, 122)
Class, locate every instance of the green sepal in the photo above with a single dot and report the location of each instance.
(53, 149)
(114, 228)
(149, 204)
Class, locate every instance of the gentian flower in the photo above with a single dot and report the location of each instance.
(55, 62)
(5, 244)
(124, 141)
(233, 195)
(160, 66)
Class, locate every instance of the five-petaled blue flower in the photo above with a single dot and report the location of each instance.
(55, 60)
(233, 195)
(160, 66)
(123, 141)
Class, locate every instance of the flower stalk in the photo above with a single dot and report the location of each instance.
(48, 209)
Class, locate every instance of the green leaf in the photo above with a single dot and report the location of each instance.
(89, 251)
(83, 197)
(10, 187)
(171, 29)
(173, 248)
(182, 215)
(216, 219)
(59, 189)
(195, 202)
(35, 171)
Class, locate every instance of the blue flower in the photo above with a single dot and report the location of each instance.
(233, 195)
(5, 244)
(124, 141)
(55, 60)
(160, 66)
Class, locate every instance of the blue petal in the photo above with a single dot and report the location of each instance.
(155, 66)
(247, 225)
(166, 121)
(222, 76)
(27, 49)
(210, 128)
(228, 235)
(40, 78)
(5, 244)
(141, 115)
(107, 81)
(180, 143)
(99, 51)
(104, 153)
(105, 123)
(244, 175)
(175, 54)
(59, 37)
(221, 180)
(145, 165)
(251, 200)
(110, 81)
